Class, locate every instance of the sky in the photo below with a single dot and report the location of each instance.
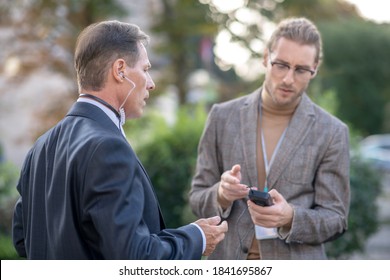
(373, 9)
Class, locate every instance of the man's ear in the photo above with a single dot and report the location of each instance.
(265, 57)
(118, 69)
(315, 72)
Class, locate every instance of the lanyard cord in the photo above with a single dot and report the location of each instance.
(267, 165)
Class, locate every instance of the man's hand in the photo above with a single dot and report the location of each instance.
(278, 215)
(230, 188)
(213, 231)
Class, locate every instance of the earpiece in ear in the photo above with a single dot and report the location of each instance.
(121, 74)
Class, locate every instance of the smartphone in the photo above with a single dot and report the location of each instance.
(260, 198)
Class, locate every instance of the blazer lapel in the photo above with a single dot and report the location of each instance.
(162, 222)
(248, 124)
(86, 110)
(296, 133)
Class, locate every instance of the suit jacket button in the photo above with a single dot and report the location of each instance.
(245, 250)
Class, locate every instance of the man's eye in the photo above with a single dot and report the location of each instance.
(301, 70)
(282, 66)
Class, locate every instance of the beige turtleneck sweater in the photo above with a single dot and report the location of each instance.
(273, 121)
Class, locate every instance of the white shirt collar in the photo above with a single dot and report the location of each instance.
(106, 110)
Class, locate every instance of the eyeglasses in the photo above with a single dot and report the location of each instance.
(281, 69)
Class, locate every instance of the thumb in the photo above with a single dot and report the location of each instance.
(214, 221)
(275, 195)
(235, 169)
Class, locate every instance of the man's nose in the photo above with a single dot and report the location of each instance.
(290, 76)
(150, 84)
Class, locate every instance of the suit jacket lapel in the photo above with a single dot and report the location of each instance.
(90, 111)
(296, 133)
(248, 124)
(162, 222)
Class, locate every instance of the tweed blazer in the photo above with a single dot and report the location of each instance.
(311, 171)
(85, 195)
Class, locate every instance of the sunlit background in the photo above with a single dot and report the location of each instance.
(373, 9)
(234, 54)
(202, 52)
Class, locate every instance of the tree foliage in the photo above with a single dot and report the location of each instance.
(169, 158)
(182, 25)
(363, 219)
(316, 10)
(46, 30)
(8, 194)
(356, 67)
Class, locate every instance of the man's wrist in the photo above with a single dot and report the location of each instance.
(204, 241)
(290, 216)
(222, 201)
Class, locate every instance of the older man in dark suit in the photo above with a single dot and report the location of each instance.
(84, 193)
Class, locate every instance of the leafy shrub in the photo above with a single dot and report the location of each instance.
(169, 158)
(7, 250)
(363, 215)
(365, 188)
(8, 194)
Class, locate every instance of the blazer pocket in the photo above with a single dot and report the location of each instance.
(301, 168)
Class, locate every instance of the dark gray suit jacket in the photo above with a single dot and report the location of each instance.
(85, 195)
(311, 170)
